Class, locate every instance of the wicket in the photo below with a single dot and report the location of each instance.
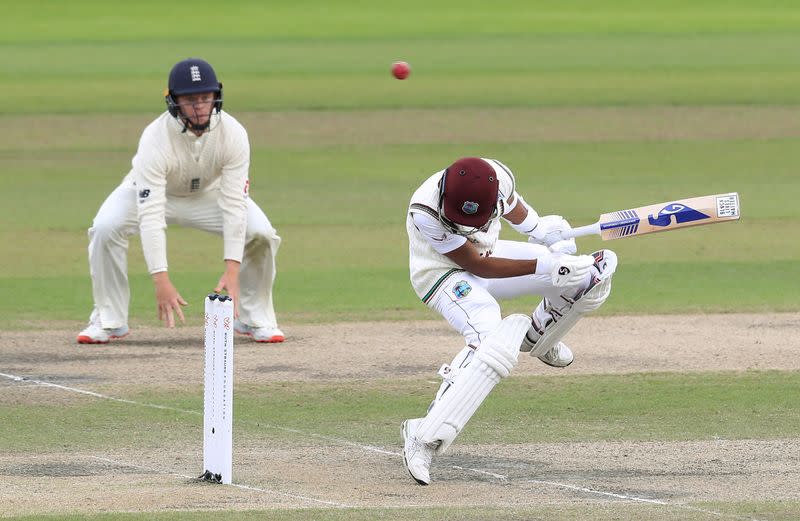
(218, 390)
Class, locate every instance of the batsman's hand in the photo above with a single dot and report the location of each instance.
(567, 246)
(168, 300)
(550, 230)
(570, 270)
(230, 283)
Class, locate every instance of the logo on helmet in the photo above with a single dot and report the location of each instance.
(192, 76)
(469, 208)
(468, 195)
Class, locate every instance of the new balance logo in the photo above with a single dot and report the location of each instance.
(144, 194)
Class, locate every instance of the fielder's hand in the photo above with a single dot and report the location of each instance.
(230, 283)
(570, 270)
(550, 230)
(168, 299)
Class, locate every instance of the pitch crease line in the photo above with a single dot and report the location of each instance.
(600, 492)
(236, 485)
(640, 500)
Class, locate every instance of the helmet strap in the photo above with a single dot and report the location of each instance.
(188, 125)
(176, 112)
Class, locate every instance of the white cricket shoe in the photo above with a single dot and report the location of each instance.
(416, 454)
(559, 356)
(94, 334)
(271, 335)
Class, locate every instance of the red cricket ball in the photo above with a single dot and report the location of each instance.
(401, 70)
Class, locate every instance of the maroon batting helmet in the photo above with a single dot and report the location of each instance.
(468, 192)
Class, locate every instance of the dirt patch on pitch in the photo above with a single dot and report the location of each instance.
(670, 476)
(305, 470)
(381, 350)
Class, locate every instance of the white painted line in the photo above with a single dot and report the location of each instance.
(163, 407)
(236, 485)
(599, 492)
(94, 394)
(642, 500)
(368, 448)
(25, 379)
(482, 472)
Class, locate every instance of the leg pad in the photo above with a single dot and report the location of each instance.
(493, 360)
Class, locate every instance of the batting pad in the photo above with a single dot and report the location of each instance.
(588, 302)
(493, 360)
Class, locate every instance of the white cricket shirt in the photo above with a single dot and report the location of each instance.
(429, 240)
(171, 163)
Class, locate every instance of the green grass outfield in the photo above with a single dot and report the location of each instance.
(80, 91)
(597, 105)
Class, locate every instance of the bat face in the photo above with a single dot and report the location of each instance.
(682, 213)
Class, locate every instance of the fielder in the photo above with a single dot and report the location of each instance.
(191, 168)
(460, 268)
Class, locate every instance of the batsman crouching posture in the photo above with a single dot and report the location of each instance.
(460, 268)
(191, 168)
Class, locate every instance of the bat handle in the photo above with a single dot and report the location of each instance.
(580, 231)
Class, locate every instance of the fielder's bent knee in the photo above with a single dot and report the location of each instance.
(267, 236)
(102, 231)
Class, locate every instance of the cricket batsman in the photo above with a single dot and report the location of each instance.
(460, 269)
(191, 168)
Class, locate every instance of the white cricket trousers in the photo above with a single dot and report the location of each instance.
(117, 220)
(469, 303)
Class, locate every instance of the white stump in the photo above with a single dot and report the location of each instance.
(218, 390)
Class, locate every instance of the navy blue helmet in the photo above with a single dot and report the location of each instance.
(192, 76)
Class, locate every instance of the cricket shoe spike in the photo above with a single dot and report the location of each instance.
(94, 334)
(267, 335)
(416, 454)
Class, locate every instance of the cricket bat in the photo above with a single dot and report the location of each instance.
(662, 217)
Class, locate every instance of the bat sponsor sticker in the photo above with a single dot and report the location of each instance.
(728, 205)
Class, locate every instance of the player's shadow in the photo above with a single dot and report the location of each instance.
(163, 343)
